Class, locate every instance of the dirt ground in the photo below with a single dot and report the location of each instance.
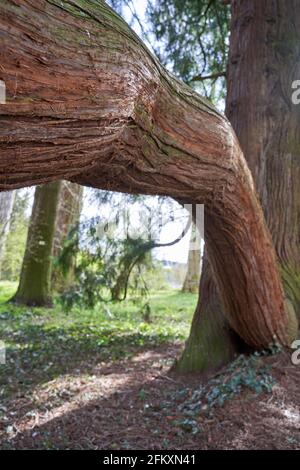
(137, 404)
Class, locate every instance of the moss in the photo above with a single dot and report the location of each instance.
(35, 280)
(211, 343)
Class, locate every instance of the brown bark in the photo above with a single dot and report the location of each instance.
(87, 102)
(263, 63)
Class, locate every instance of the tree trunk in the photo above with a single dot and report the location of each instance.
(192, 277)
(263, 63)
(35, 279)
(6, 206)
(87, 102)
(68, 215)
(262, 69)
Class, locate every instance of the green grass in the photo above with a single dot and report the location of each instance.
(44, 343)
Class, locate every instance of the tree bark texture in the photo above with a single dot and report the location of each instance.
(263, 63)
(87, 102)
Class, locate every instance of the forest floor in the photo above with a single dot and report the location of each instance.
(102, 380)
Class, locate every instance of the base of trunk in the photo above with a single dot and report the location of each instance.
(46, 302)
(212, 343)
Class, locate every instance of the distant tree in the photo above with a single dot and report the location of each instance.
(6, 206)
(192, 41)
(16, 237)
(67, 219)
(266, 123)
(131, 126)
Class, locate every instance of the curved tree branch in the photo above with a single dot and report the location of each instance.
(86, 101)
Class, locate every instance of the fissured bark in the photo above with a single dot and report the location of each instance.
(87, 102)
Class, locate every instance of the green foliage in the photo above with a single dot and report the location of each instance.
(192, 38)
(16, 238)
(102, 274)
(44, 343)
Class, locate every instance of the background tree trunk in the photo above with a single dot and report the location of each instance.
(68, 215)
(35, 279)
(192, 277)
(6, 206)
(263, 62)
(101, 111)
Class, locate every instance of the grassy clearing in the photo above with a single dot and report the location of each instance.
(44, 343)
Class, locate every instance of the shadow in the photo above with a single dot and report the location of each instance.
(36, 354)
(135, 404)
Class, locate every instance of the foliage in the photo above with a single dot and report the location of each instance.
(192, 39)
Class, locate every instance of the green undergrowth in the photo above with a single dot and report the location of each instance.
(44, 343)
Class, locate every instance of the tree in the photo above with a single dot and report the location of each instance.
(6, 206)
(11, 261)
(67, 218)
(128, 125)
(263, 62)
(192, 277)
(35, 279)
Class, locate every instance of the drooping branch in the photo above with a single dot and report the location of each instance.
(212, 76)
(87, 102)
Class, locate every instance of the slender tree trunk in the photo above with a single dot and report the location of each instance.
(263, 62)
(192, 277)
(68, 215)
(87, 102)
(35, 279)
(6, 206)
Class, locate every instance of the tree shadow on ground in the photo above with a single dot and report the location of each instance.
(135, 404)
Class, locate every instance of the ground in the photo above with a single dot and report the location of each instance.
(101, 380)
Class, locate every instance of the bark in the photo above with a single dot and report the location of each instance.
(260, 108)
(212, 342)
(6, 206)
(68, 215)
(192, 277)
(87, 102)
(263, 63)
(35, 279)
